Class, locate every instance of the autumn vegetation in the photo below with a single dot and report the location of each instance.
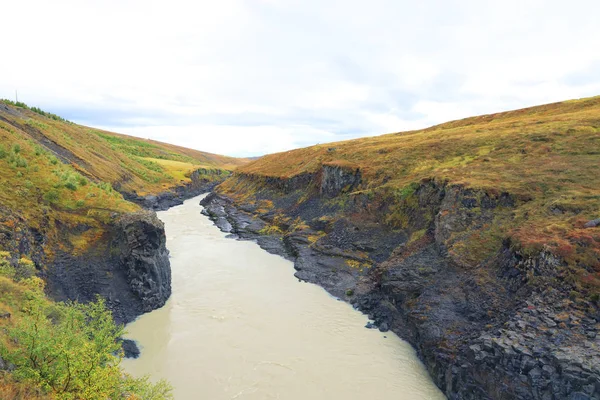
(60, 350)
(546, 158)
(56, 172)
(64, 182)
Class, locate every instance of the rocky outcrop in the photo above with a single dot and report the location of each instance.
(503, 327)
(129, 267)
(202, 180)
(140, 242)
(592, 224)
(336, 179)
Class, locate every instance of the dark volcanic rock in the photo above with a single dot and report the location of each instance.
(593, 223)
(140, 240)
(336, 179)
(130, 269)
(483, 332)
(202, 180)
(130, 348)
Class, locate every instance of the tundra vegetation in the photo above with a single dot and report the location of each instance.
(56, 173)
(61, 191)
(544, 158)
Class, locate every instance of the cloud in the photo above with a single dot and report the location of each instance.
(244, 77)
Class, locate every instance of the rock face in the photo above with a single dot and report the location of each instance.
(336, 179)
(202, 180)
(129, 268)
(140, 241)
(505, 328)
(593, 223)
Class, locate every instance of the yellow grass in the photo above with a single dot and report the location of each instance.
(56, 175)
(547, 157)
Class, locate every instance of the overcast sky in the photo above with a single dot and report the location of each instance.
(246, 78)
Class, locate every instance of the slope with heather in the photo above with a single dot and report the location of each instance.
(476, 240)
(70, 200)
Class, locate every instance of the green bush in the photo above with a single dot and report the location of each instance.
(6, 269)
(51, 196)
(66, 351)
(3, 152)
(16, 148)
(71, 186)
(71, 354)
(24, 269)
(17, 161)
(80, 203)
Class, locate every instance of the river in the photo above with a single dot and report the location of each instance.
(239, 325)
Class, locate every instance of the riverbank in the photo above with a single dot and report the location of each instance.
(239, 324)
(482, 333)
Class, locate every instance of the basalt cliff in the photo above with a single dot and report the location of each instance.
(79, 204)
(475, 240)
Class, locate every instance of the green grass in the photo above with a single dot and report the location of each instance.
(61, 350)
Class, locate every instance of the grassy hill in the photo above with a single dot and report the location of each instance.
(475, 240)
(54, 172)
(547, 158)
(61, 188)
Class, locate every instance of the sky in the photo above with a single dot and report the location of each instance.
(251, 77)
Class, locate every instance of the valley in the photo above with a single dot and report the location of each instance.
(475, 240)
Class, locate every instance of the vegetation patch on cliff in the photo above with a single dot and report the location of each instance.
(60, 350)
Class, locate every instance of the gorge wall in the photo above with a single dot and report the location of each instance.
(202, 180)
(428, 262)
(128, 265)
(125, 260)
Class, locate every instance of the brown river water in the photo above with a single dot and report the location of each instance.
(239, 325)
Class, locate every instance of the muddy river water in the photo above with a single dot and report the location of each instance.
(240, 326)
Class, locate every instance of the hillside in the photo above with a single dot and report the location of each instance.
(477, 240)
(53, 170)
(66, 217)
(546, 157)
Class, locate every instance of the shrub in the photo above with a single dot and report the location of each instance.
(71, 355)
(6, 269)
(80, 203)
(21, 162)
(24, 269)
(106, 187)
(71, 186)
(16, 148)
(52, 196)
(2, 152)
